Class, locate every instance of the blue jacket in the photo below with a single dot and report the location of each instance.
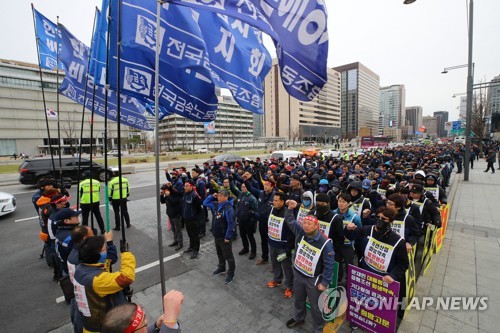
(224, 221)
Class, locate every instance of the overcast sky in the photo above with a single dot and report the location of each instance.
(403, 44)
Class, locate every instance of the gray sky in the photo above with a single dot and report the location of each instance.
(403, 44)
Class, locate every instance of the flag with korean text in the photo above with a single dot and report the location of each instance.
(47, 39)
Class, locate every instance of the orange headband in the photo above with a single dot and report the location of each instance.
(138, 316)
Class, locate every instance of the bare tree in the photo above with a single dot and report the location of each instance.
(480, 112)
(295, 134)
(167, 138)
(70, 130)
(233, 136)
(302, 134)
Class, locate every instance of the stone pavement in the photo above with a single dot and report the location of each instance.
(469, 261)
(468, 264)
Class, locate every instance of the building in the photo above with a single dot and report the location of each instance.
(395, 133)
(23, 127)
(392, 106)
(293, 120)
(431, 125)
(462, 108)
(360, 91)
(413, 117)
(442, 117)
(234, 128)
(494, 107)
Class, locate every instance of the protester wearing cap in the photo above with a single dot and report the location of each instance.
(45, 184)
(96, 288)
(57, 203)
(66, 220)
(429, 212)
(265, 199)
(246, 205)
(330, 224)
(404, 224)
(89, 192)
(432, 186)
(294, 191)
(311, 276)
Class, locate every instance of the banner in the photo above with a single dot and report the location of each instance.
(209, 127)
(47, 39)
(238, 59)
(429, 244)
(410, 279)
(372, 303)
(74, 54)
(441, 232)
(97, 66)
(299, 31)
(185, 88)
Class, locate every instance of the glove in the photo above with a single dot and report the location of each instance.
(124, 246)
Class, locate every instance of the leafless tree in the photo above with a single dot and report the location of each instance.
(167, 138)
(295, 134)
(70, 130)
(480, 112)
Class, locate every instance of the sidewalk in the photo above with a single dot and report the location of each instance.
(469, 261)
(467, 264)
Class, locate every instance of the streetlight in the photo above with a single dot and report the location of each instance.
(446, 69)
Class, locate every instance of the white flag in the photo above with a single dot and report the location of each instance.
(51, 114)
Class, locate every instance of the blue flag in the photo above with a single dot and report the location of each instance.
(75, 56)
(47, 38)
(238, 58)
(299, 31)
(186, 89)
(97, 67)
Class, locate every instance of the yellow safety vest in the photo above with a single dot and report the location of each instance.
(84, 189)
(113, 188)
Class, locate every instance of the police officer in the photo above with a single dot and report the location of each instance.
(119, 199)
(89, 191)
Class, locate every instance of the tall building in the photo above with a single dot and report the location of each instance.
(494, 107)
(22, 115)
(288, 118)
(431, 125)
(360, 98)
(462, 108)
(442, 118)
(392, 106)
(234, 128)
(413, 118)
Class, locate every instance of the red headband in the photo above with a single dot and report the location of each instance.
(138, 316)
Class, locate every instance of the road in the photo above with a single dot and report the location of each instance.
(28, 294)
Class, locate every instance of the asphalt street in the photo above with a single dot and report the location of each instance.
(28, 294)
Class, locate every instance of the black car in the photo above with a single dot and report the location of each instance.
(34, 169)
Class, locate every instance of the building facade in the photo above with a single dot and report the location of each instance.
(442, 119)
(392, 106)
(234, 128)
(395, 133)
(494, 107)
(290, 119)
(414, 117)
(431, 126)
(23, 127)
(360, 91)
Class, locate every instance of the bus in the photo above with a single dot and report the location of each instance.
(369, 142)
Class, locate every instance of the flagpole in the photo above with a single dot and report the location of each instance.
(80, 149)
(118, 117)
(157, 148)
(106, 92)
(43, 92)
(92, 127)
(57, 103)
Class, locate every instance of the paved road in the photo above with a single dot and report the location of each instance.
(27, 287)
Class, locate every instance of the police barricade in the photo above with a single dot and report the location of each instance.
(445, 214)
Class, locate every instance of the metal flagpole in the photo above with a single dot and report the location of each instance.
(157, 148)
(105, 146)
(57, 103)
(43, 93)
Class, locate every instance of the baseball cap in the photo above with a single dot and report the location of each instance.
(417, 188)
(323, 182)
(59, 198)
(65, 214)
(366, 184)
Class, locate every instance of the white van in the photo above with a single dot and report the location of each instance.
(285, 154)
(459, 139)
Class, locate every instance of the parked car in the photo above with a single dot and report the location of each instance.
(285, 154)
(331, 152)
(34, 169)
(7, 203)
(202, 150)
(311, 152)
(114, 152)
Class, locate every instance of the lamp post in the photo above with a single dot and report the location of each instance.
(468, 114)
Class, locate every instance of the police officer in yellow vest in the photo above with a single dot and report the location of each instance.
(89, 191)
(119, 199)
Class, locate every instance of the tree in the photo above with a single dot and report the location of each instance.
(167, 138)
(480, 112)
(295, 134)
(70, 130)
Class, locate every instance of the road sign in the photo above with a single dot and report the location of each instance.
(457, 125)
(457, 132)
(448, 125)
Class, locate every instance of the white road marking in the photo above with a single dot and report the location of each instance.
(139, 269)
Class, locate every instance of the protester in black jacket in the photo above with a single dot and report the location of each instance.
(172, 199)
(191, 208)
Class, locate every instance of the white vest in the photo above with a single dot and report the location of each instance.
(378, 254)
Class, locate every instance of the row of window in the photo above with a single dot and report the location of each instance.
(13, 82)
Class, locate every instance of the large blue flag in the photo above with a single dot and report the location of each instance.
(97, 67)
(47, 39)
(299, 31)
(75, 56)
(238, 57)
(186, 89)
